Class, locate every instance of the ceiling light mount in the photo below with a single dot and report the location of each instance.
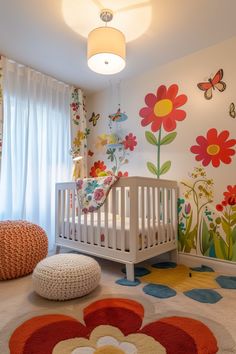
(106, 50)
(106, 15)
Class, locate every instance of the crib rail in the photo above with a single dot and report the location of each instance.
(137, 221)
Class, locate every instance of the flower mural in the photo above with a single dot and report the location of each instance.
(162, 108)
(198, 191)
(117, 150)
(114, 326)
(98, 169)
(219, 233)
(214, 148)
(162, 111)
(130, 142)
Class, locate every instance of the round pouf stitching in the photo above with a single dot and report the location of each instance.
(22, 246)
(66, 276)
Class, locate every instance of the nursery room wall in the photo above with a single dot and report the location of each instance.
(170, 126)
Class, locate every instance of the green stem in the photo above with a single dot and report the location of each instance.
(116, 163)
(158, 153)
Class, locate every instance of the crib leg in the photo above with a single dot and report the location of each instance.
(58, 249)
(130, 271)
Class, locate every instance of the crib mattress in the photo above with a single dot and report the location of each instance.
(92, 219)
(88, 230)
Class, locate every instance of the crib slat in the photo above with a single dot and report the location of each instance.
(68, 214)
(163, 215)
(167, 215)
(171, 213)
(63, 212)
(113, 218)
(85, 229)
(106, 234)
(73, 214)
(122, 219)
(153, 217)
(79, 226)
(143, 217)
(148, 216)
(158, 215)
(92, 227)
(99, 228)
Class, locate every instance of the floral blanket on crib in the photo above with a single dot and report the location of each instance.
(92, 192)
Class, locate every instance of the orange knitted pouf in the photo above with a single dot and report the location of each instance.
(22, 246)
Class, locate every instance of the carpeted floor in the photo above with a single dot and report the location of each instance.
(114, 320)
(166, 279)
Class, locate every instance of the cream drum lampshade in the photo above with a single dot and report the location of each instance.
(106, 50)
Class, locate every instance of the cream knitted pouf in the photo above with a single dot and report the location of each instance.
(66, 276)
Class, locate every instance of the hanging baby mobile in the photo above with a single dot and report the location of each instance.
(118, 144)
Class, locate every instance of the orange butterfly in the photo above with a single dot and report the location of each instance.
(216, 82)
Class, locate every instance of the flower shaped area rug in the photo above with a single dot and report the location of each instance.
(118, 326)
(165, 279)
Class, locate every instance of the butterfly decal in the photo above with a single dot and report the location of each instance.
(232, 111)
(90, 153)
(118, 116)
(212, 84)
(94, 118)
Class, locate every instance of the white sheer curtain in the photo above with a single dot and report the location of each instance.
(36, 144)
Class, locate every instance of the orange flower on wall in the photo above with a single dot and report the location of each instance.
(214, 148)
(98, 169)
(163, 108)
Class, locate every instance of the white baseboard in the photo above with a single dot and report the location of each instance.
(220, 266)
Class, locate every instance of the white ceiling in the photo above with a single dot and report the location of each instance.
(36, 33)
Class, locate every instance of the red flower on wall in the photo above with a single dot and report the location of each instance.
(163, 108)
(130, 142)
(97, 168)
(230, 195)
(214, 148)
(122, 174)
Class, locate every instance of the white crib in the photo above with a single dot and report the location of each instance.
(138, 221)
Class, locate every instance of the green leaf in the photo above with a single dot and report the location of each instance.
(165, 167)
(221, 248)
(168, 138)
(151, 138)
(152, 168)
(206, 237)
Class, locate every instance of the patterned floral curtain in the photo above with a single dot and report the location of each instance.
(1, 104)
(79, 133)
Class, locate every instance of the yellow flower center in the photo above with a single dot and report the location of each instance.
(163, 107)
(108, 349)
(213, 149)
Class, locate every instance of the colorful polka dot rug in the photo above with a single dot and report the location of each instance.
(166, 279)
(117, 325)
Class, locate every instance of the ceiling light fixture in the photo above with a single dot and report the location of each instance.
(106, 47)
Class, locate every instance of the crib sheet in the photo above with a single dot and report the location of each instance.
(89, 226)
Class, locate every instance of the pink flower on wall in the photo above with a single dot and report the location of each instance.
(214, 148)
(163, 108)
(130, 142)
